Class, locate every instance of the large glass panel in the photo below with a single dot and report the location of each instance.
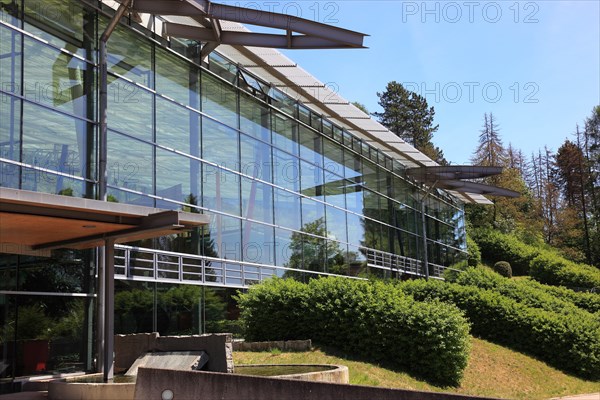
(356, 229)
(352, 163)
(313, 214)
(177, 78)
(9, 175)
(130, 55)
(10, 114)
(354, 198)
(287, 209)
(128, 161)
(283, 251)
(311, 180)
(220, 144)
(370, 177)
(336, 224)
(255, 158)
(57, 142)
(257, 200)
(254, 118)
(58, 80)
(173, 176)
(45, 181)
(286, 170)
(221, 190)
(310, 146)
(335, 190)
(130, 109)
(334, 157)
(258, 245)
(285, 133)
(66, 24)
(10, 62)
(219, 100)
(178, 309)
(177, 127)
(134, 307)
(226, 232)
(372, 207)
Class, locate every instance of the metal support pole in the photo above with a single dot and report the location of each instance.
(109, 309)
(105, 318)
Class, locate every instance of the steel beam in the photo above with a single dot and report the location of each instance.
(342, 37)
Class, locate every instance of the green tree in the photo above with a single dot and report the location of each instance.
(361, 107)
(407, 115)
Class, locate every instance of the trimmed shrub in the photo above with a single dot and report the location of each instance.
(474, 254)
(503, 268)
(586, 301)
(496, 246)
(554, 270)
(568, 342)
(373, 319)
(527, 292)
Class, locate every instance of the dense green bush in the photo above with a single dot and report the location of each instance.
(496, 246)
(503, 268)
(474, 254)
(566, 341)
(373, 319)
(551, 269)
(528, 292)
(584, 300)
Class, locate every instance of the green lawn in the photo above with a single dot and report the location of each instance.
(493, 371)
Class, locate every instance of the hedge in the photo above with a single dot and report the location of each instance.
(473, 252)
(496, 246)
(584, 300)
(375, 320)
(528, 292)
(566, 341)
(553, 270)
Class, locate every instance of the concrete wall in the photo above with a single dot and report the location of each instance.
(288, 345)
(189, 385)
(218, 347)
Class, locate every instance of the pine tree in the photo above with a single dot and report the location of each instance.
(490, 151)
(407, 115)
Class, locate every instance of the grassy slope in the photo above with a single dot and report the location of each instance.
(492, 371)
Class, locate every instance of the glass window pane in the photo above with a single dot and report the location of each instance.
(10, 61)
(129, 109)
(336, 224)
(310, 146)
(254, 118)
(286, 170)
(174, 179)
(221, 190)
(356, 229)
(220, 144)
(54, 141)
(130, 55)
(334, 160)
(255, 158)
(48, 182)
(219, 100)
(258, 246)
(354, 198)
(370, 175)
(58, 80)
(177, 79)
(66, 24)
(287, 209)
(128, 161)
(283, 252)
(10, 114)
(353, 166)
(285, 133)
(257, 200)
(311, 180)
(312, 213)
(9, 175)
(226, 234)
(177, 127)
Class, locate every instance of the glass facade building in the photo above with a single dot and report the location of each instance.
(288, 192)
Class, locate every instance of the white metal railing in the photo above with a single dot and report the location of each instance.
(144, 264)
(400, 264)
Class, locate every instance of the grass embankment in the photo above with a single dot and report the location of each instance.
(492, 371)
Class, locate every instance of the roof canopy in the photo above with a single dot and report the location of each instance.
(36, 223)
(449, 177)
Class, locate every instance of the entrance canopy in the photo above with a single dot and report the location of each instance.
(36, 223)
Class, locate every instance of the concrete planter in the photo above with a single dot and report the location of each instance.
(74, 389)
(327, 373)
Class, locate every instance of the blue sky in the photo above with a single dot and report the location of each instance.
(534, 64)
